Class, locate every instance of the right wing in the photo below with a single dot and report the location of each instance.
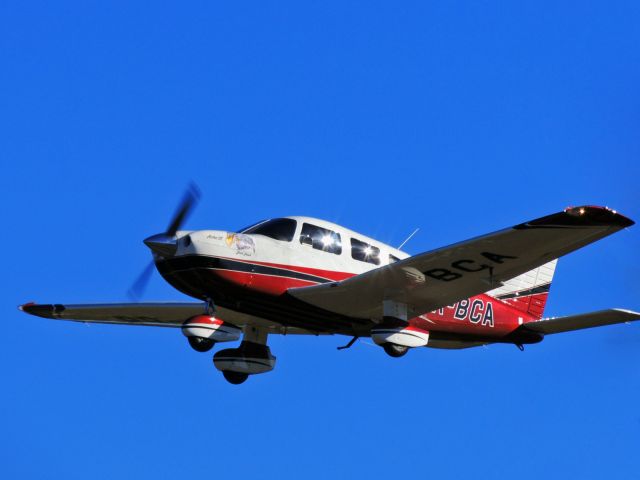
(151, 315)
(148, 314)
(441, 277)
(548, 326)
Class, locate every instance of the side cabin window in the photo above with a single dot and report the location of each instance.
(321, 238)
(282, 229)
(364, 252)
(393, 259)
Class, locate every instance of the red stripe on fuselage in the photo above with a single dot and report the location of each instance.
(269, 284)
(499, 319)
(332, 275)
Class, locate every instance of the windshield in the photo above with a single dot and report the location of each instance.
(244, 230)
(281, 229)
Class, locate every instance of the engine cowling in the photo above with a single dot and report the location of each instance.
(210, 328)
(406, 336)
(249, 358)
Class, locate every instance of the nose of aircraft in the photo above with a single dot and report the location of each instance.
(162, 244)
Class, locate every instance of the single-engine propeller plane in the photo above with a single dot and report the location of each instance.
(302, 275)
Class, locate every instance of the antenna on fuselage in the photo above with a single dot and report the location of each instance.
(408, 238)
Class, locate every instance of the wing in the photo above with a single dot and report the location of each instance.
(151, 314)
(442, 277)
(547, 326)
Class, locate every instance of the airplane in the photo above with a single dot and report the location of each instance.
(305, 276)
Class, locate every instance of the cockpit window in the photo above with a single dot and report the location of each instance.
(281, 229)
(364, 252)
(321, 238)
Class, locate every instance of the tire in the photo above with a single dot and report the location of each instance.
(394, 350)
(201, 344)
(235, 378)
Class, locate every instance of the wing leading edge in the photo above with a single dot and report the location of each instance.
(149, 314)
(441, 277)
(152, 315)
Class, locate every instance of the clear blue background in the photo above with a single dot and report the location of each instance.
(456, 117)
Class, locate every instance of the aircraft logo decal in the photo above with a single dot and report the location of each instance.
(243, 244)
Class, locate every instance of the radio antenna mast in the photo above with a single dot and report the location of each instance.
(408, 238)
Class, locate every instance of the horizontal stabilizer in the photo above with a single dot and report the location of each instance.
(548, 326)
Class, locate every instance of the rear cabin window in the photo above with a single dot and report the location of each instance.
(321, 238)
(282, 229)
(364, 252)
(393, 259)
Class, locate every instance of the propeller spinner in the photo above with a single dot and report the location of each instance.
(165, 243)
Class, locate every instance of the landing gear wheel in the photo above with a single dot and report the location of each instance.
(200, 344)
(235, 377)
(394, 350)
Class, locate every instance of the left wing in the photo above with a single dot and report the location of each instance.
(441, 277)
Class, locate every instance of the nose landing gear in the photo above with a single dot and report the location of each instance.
(252, 357)
(235, 378)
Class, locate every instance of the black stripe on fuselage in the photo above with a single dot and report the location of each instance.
(216, 263)
(525, 293)
(195, 279)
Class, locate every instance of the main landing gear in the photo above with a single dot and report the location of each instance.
(204, 331)
(200, 344)
(395, 351)
(392, 349)
(394, 334)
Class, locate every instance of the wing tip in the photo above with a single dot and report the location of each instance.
(25, 306)
(596, 215)
(44, 311)
(584, 216)
(630, 313)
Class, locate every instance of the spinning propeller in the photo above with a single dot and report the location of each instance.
(165, 244)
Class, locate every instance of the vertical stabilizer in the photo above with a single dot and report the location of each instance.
(528, 292)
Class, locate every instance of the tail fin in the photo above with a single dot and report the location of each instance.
(528, 292)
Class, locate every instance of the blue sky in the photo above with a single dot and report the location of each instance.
(456, 117)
